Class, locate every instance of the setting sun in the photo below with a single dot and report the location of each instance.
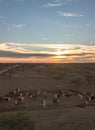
(60, 54)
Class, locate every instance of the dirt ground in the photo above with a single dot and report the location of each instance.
(67, 115)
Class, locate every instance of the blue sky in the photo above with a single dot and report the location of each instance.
(69, 24)
(47, 21)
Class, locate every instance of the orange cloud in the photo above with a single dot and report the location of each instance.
(46, 53)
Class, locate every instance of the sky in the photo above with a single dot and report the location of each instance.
(47, 31)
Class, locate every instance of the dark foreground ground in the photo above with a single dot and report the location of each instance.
(68, 114)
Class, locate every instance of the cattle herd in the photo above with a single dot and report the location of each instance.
(18, 97)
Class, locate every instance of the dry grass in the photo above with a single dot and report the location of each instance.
(53, 77)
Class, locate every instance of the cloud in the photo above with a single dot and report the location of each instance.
(47, 52)
(14, 27)
(45, 39)
(56, 3)
(27, 55)
(80, 54)
(22, 55)
(69, 14)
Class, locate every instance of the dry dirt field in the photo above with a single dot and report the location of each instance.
(69, 113)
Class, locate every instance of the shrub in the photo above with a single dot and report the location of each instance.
(19, 121)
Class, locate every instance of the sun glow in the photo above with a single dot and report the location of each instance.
(60, 54)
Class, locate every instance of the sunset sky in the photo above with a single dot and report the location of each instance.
(47, 31)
